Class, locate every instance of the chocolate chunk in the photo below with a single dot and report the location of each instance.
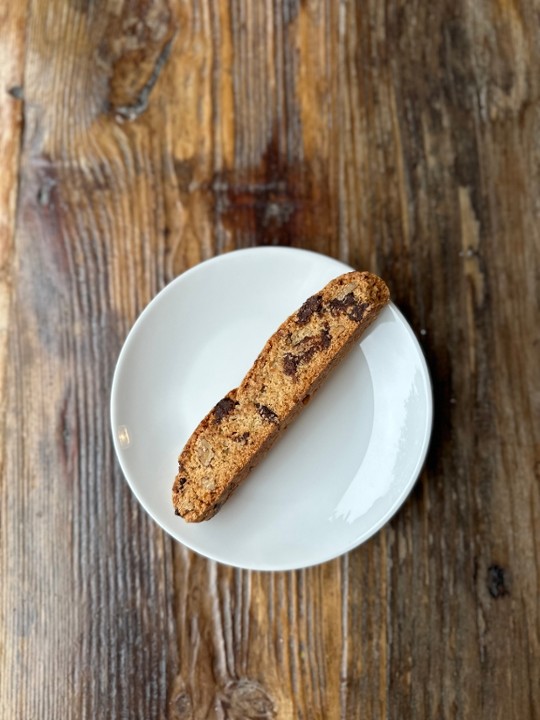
(325, 338)
(350, 306)
(308, 355)
(243, 438)
(179, 484)
(290, 364)
(357, 311)
(223, 408)
(312, 305)
(176, 512)
(267, 414)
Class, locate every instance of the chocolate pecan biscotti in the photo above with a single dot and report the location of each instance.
(240, 429)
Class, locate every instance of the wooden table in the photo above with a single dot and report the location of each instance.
(139, 138)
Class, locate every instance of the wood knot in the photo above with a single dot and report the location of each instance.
(134, 51)
(180, 702)
(496, 581)
(44, 195)
(16, 92)
(246, 699)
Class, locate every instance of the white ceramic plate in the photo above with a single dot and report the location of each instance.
(340, 471)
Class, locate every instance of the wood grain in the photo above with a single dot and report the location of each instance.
(401, 137)
(11, 72)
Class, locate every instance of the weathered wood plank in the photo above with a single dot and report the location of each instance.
(12, 21)
(87, 592)
(12, 52)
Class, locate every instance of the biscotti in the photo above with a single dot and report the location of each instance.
(241, 428)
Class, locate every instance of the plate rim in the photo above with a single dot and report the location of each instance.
(400, 499)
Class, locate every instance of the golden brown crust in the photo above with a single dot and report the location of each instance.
(242, 427)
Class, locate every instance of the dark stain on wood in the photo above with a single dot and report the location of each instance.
(260, 202)
(274, 203)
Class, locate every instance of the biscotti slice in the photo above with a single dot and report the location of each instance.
(240, 429)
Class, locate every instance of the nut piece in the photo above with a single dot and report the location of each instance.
(205, 452)
(346, 289)
(208, 484)
(298, 337)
